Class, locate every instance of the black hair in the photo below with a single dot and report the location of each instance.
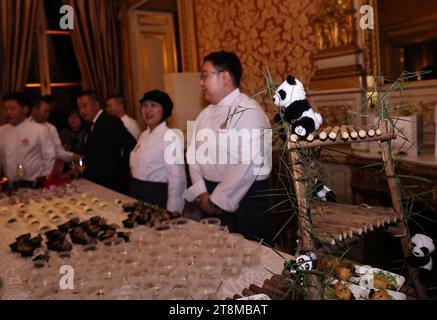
(119, 98)
(89, 93)
(226, 61)
(162, 98)
(47, 99)
(17, 96)
(36, 103)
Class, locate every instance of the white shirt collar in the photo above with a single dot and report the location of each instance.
(160, 127)
(97, 116)
(230, 98)
(23, 123)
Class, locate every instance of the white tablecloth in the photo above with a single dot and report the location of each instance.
(11, 264)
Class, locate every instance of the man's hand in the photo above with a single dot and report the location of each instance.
(205, 206)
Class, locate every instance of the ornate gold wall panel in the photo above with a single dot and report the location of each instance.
(264, 33)
(335, 28)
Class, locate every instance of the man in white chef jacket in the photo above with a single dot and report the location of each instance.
(40, 114)
(231, 191)
(26, 149)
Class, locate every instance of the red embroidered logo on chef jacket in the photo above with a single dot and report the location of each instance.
(25, 142)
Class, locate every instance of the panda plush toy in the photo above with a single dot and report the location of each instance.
(421, 246)
(291, 96)
(323, 192)
(304, 262)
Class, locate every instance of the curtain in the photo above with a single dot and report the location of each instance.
(97, 45)
(17, 33)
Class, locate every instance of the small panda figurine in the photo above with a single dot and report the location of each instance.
(323, 192)
(304, 262)
(421, 246)
(291, 96)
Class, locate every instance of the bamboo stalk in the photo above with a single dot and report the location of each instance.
(356, 227)
(344, 132)
(334, 133)
(319, 143)
(324, 134)
(378, 132)
(352, 132)
(294, 137)
(307, 241)
(311, 136)
(361, 132)
(333, 227)
(350, 215)
(370, 132)
(396, 196)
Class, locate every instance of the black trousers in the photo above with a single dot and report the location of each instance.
(147, 191)
(253, 218)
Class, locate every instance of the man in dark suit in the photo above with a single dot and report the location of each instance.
(107, 145)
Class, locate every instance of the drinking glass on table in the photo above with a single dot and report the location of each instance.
(78, 166)
(21, 171)
(81, 165)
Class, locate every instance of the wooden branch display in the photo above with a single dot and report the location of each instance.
(331, 223)
(352, 132)
(324, 134)
(337, 222)
(361, 132)
(345, 134)
(334, 133)
(276, 288)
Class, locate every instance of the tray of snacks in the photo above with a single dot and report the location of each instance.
(342, 290)
(375, 278)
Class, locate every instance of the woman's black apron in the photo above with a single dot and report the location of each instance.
(147, 191)
(253, 218)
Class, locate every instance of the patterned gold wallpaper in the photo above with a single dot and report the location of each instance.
(276, 34)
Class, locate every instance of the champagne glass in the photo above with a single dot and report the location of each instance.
(81, 166)
(78, 167)
(21, 171)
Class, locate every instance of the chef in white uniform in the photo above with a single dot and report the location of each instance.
(40, 113)
(24, 143)
(155, 178)
(231, 191)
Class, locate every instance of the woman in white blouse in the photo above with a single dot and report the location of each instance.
(154, 180)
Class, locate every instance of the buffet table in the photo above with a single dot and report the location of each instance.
(14, 269)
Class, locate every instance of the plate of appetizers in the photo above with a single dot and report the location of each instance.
(342, 290)
(375, 278)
